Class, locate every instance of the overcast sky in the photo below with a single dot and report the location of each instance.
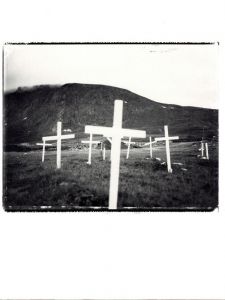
(176, 74)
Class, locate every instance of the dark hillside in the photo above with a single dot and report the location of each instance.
(32, 113)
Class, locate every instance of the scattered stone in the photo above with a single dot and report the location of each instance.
(64, 183)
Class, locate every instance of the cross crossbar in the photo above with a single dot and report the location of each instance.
(146, 144)
(113, 131)
(92, 142)
(41, 144)
(127, 142)
(166, 138)
(62, 137)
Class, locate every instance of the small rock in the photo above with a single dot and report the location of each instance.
(64, 183)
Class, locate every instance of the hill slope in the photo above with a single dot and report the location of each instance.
(32, 113)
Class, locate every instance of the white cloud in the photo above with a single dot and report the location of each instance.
(177, 74)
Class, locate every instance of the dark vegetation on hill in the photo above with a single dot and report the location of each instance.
(32, 113)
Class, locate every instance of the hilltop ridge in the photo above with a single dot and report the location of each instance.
(30, 113)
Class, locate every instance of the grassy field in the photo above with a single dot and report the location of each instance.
(144, 183)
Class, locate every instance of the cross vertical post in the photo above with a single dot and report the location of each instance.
(128, 149)
(115, 154)
(168, 149)
(207, 150)
(150, 146)
(103, 152)
(202, 148)
(43, 152)
(59, 142)
(90, 148)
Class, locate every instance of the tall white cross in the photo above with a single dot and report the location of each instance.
(90, 142)
(116, 132)
(167, 139)
(128, 143)
(59, 137)
(43, 149)
(150, 145)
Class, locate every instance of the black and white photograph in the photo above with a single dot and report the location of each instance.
(111, 127)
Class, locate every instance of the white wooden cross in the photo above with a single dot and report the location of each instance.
(59, 137)
(167, 138)
(43, 149)
(90, 142)
(128, 143)
(150, 145)
(116, 132)
(202, 148)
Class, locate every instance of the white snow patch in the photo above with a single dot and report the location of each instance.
(25, 118)
(157, 158)
(163, 106)
(67, 130)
